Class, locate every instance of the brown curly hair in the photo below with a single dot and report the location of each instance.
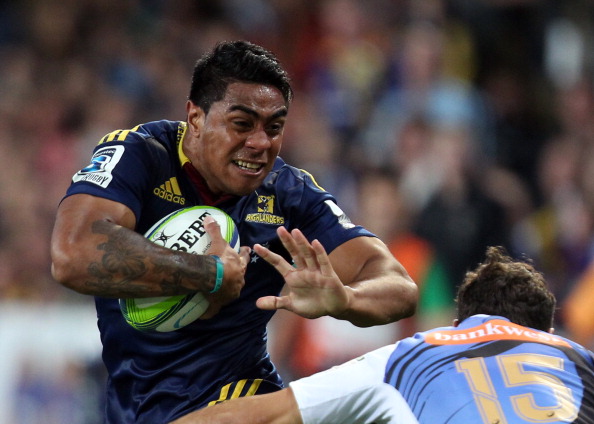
(509, 288)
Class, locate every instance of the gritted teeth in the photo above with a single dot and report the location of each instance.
(248, 165)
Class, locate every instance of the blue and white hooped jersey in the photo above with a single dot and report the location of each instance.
(156, 377)
(489, 370)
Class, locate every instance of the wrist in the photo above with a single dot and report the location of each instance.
(219, 274)
(342, 308)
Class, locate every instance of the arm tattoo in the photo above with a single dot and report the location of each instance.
(125, 264)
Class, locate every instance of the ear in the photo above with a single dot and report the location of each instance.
(195, 118)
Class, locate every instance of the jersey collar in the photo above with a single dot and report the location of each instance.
(181, 132)
(208, 197)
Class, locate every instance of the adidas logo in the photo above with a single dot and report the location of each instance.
(170, 191)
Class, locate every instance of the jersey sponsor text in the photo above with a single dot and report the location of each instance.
(492, 330)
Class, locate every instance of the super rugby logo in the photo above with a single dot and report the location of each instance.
(102, 164)
(97, 164)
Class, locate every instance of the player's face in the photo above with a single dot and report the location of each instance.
(234, 146)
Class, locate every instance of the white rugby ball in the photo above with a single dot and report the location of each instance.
(181, 230)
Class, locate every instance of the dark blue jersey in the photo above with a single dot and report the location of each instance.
(489, 370)
(156, 377)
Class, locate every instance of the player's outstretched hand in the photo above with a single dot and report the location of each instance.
(234, 268)
(314, 288)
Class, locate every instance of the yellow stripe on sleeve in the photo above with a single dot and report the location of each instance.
(222, 396)
(120, 135)
(238, 390)
(109, 137)
(254, 387)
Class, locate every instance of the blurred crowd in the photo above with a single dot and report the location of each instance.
(442, 126)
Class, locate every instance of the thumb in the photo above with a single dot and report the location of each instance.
(213, 229)
(271, 303)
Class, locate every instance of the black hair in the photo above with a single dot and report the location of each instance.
(236, 61)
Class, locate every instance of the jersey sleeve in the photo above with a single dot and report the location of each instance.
(120, 171)
(352, 392)
(316, 212)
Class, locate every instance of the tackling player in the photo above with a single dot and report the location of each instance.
(498, 364)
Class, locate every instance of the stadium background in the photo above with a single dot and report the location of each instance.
(444, 126)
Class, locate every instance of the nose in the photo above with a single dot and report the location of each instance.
(258, 140)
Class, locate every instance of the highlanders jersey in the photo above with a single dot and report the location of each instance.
(489, 370)
(157, 377)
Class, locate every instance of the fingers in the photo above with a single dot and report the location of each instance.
(304, 254)
(322, 258)
(244, 256)
(291, 245)
(218, 243)
(277, 261)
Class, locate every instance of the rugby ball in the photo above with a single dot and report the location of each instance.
(181, 230)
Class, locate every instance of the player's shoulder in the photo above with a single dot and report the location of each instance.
(164, 132)
(285, 176)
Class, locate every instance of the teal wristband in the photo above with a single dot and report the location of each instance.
(220, 273)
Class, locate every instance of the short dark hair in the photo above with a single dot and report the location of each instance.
(505, 287)
(236, 61)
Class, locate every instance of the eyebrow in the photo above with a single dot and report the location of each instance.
(280, 113)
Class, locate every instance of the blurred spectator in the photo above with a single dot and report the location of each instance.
(521, 121)
(423, 89)
(460, 218)
(48, 400)
(578, 319)
(316, 147)
(348, 63)
(561, 234)
(558, 234)
(413, 158)
(385, 209)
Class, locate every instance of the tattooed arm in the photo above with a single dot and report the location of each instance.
(95, 251)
